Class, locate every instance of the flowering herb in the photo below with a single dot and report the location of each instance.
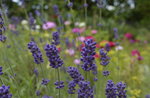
(36, 53)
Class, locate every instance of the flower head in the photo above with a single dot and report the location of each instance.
(1, 69)
(111, 90)
(87, 53)
(56, 40)
(36, 53)
(53, 54)
(59, 84)
(45, 81)
(85, 91)
(4, 92)
(121, 90)
(48, 25)
(75, 75)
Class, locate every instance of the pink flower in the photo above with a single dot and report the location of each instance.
(71, 52)
(94, 31)
(67, 22)
(76, 30)
(82, 30)
(81, 38)
(135, 53)
(77, 61)
(12, 27)
(48, 25)
(128, 36)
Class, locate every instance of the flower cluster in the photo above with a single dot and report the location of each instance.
(2, 29)
(115, 91)
(31, 21)
(71, 87)
(4, 92)
(104, 58)
(111, 90)
(36, 53)
(1, 69)
(56, 40)
(87, 53)
(53, 54)
(59, 84)
(45, 81)
(85, 91)
(75, 75)
(106, 73)
(56, 9)
(121, 90)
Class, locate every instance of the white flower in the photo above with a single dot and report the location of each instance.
(119, 48)
(37, 27)
(82, 24)
(24, 22)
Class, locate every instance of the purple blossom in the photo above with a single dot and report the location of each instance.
(45, 81)
(1, 69)
(38, 93)
(59, 84)
(36, 53)
(107, 47)
(70, 4)
(56, 9)
(56, 39)
(104, 58)
(121, 90)
(31, 21)
(2, 38)
(75, 75)
(4, 92)
(85, 91)
(111, 90)
(106, 73)
(147, 96)
(36, 72)
(87, 53)
(53, 54)
(71, 87)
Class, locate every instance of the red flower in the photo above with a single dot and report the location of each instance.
(111, 44)
(135, 53)
(89, 37)
(97, 55)
(129, 36)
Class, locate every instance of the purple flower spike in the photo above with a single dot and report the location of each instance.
(87, 53)
(111, 90)
(4, 92)
(85, 91)
(36, 53)
(59, 84)
(1, 69)
(45, 81)
(53, 54)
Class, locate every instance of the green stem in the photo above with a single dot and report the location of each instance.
(1, 80)
(58, 80)
(85, 8)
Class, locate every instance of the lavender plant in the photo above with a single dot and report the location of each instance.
(4, 92)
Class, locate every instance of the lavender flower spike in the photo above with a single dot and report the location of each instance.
(36, 53)
(4, 92)
(53, 54)
(1, 69)
(87, 53)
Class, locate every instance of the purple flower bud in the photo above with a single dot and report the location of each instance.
(36, 53)
(45, 81)
(4, 92)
